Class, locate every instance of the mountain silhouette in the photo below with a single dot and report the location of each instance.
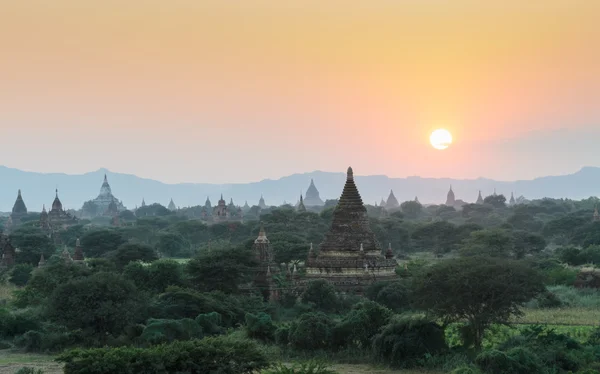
(74, 190)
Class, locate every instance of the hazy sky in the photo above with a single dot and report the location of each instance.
(234, 91)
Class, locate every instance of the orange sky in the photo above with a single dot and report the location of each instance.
(215, 91)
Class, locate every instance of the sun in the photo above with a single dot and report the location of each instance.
(440, 139)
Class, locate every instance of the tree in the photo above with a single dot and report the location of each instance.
(223, 270)
(439, 237)
(104, 303)
(497, 201)
(129, 252)
(100, 242)
(171, 244)
(360, 324)
(492, 242)
(20, 274)
(322, 294)
(525, 242)
(32, 243)
(479, 290)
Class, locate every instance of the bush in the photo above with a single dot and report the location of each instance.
(466, 369)
(311, 331)
(394, 295)
(406, 339)
(28, 370)
(160, 331)
(311, 367)
(496, 362)
(282, 335)
(260, 326)
(50, 338)
(17, 323)
(20, 274)
(322, 294)
(211, 323)
(361, 324)
(210, 355)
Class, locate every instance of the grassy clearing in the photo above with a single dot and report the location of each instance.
(6, 292)
(11, 362)
(561, 316)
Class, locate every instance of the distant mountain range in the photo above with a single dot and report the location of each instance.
(74, 190)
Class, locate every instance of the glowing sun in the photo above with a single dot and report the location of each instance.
(440, 139)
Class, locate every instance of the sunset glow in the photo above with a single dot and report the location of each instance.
(250, 80)
(440, 139)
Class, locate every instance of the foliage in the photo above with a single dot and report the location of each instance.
(32, 243)
(129, 252)
(311, 331)
(260, 326)
(497, 201)
(406, 339)
(158, 331)
(479, 290)
(222, 270)
(20, 274)
(99, 242)
(322, 294)
(311, 367)
(29, 370)
(103, 303)
(211, 323)
(395, 295)
(359, 325)
(210, 355)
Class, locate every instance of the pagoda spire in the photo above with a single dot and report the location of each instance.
(479, 198)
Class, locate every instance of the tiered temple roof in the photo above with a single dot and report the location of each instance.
(57, 217)
(261, 203)
(19, 209)
(350, 256)
(103, 200)
(392, 202)
(312, 197)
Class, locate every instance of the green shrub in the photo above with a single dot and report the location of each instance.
(282, 334)
(221, 355)
(50, 338)
(28, 370)
(211, 323)
(497, 362)
(466, 369)
(311, 331)
(406, 339)
(20, 274)
(16, 323)
(260, 326)
(360, 325)
(160, 331)
(311, 367)
(322, 294)
(5, 345)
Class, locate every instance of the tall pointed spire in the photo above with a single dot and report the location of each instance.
(479, 198)
(301, 207)
(392, 202)
(450, 198)
(312, 197)
(512, 200)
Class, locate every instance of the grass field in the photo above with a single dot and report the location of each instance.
(562, 316)
(11, 362)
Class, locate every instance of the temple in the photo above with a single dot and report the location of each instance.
(392, 202)
(99, 206)
(263, 278)
(56, 220)
(261, 203)
(512, 200)
(222, 212)
(479, 198)
(450, 199)
(312, 197)
(8, 252)
(172, 206)
(301, 207)
(350, 257)
(78, 254)
(19, 210)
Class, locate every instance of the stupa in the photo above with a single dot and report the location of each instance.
(392, 202)
(450, 199)
(99, 206)
(172, 207)
(19, 210)
(312, 197)
(479, 198)
(350, 257)
(301, 207)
